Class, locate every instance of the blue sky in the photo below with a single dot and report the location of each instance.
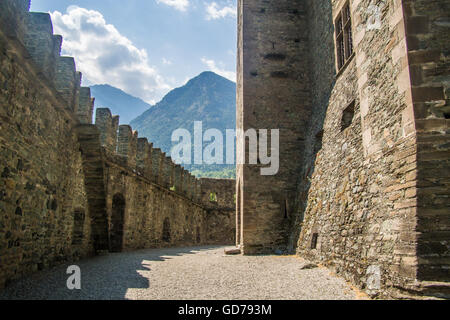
(146, 47)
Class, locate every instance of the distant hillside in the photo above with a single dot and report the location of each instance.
(119, 102)
(209, 98)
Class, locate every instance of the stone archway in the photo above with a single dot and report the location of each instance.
(117, 223)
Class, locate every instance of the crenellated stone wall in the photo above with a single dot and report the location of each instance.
(42, 184)
(69, 188)
(152, 194)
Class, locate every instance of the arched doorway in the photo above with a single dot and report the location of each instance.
(117, 223)
(166, 230)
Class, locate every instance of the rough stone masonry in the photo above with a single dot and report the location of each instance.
(364, 179)
(69, 188)
(364, 176)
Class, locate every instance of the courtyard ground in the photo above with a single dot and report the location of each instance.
(185, 273)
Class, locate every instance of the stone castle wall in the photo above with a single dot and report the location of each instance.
(42, 183)
(360, 200)
(69, 188)
(371, 199)
(273, 93)
(219, 199)
(428, 44)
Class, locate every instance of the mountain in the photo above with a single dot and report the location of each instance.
(119, 102)
(209, 98)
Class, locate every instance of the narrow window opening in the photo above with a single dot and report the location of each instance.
(54, 205)
(284, 209)
(213, 197)
(318, 142)
(344, 37)
(447, 115)
(314, 238)
(347, 116)
(285, 212)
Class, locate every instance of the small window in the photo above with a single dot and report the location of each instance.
(347, 116)
(213, 197)
(344, 37)
(447, 115)
(314, 238)
(318, 142)
(166, 230)
(284, 209)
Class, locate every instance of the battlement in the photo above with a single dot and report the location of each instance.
(42, 45)
(13, 16)
(85, 106)
(98, 185)
(156, 156)
(144, 157)
(138, 154)
(108, 126)
(68, 81)
(34, 30)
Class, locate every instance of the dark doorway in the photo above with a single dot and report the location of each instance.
(166, 230)
(78, 226)
(117, 223)
(199, 237)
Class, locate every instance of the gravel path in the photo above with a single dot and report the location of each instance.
(185, 273)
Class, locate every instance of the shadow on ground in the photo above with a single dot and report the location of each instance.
(102, 278)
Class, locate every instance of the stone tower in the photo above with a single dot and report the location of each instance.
(360, 92)
(273, 93)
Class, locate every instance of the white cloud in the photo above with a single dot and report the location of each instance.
(211, 64)
(166, 61)
(215, 12)
(103, 55)
(177, 4)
